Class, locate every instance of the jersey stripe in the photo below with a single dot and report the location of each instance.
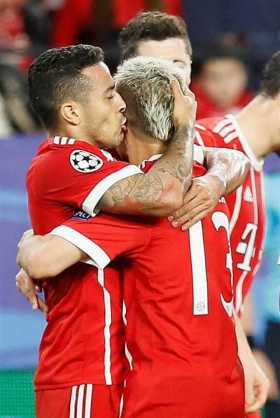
(254, 192)
(88, 401)
(90, 202)
(230, 137)
(63, 140)
(126, 350)
(198, 154)
(227, 130)
(73, 402)
(121, 406)
(107, 335)
(221, 125)
(239, 286)
(199, 138)
(236, 210)
(239, 292)
(98, 256)
(197, 125)
(80, 401)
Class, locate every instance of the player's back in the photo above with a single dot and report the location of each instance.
(180, 335)
(246, 204)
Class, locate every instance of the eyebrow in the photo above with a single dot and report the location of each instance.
(176, 60)
(110, 88)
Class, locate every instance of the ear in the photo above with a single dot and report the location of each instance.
(70, 112)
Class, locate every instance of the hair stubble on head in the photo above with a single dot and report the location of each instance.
(155, 26)
(56, 76)
(270, 81)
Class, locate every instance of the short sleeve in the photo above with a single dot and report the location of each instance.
(76, 175)
(105, 237)
(205, 138)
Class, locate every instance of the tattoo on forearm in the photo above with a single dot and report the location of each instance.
(144, 191)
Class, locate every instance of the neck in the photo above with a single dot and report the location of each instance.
(256, 122)
(69, 132)
(141, 147)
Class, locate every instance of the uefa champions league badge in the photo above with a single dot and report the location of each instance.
(85, 162)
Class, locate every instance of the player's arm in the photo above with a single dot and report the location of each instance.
(256, 382)
(45, 256)
(88, 240)
(161, 190)
(227, 170)
(42, 257)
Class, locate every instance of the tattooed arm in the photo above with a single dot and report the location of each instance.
(161, 190)
(227, 170)
(229, 167)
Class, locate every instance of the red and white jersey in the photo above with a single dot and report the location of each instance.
(246, 204)
(67, 174)
(84, 339)
(178, 296)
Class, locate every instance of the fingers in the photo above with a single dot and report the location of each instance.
(42, 305)
(188, 202)
(250, 400)
(258, 396)
(176, 88)
(193, 212)
(198, 217)
(28, 288)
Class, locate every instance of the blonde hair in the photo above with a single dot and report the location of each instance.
(145, 84)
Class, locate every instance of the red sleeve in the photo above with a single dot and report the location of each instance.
(105, 237)
(75, 175)
(207, 138)
(221, 132)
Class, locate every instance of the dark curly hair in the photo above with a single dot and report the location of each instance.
(270, 81)
(56, 75)
(153, 25)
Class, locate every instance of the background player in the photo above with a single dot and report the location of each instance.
(161, 35)
(254, 131)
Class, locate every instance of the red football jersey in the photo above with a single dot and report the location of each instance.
(246, 204)
(67, 174)
(178, 297)
(84, 338)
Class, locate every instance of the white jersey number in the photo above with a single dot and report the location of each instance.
(247, 246)
(199, 273)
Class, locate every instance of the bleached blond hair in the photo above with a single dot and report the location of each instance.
(145, 84)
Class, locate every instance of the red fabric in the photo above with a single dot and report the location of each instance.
(11, 28)
(124, 10)
(254, 415)
(56, 188)
(102, 401)
(69, 21)
(178, 350)
(55, 191)
(174, 7)
(75, 15)
(248, 216)
(206, 108)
